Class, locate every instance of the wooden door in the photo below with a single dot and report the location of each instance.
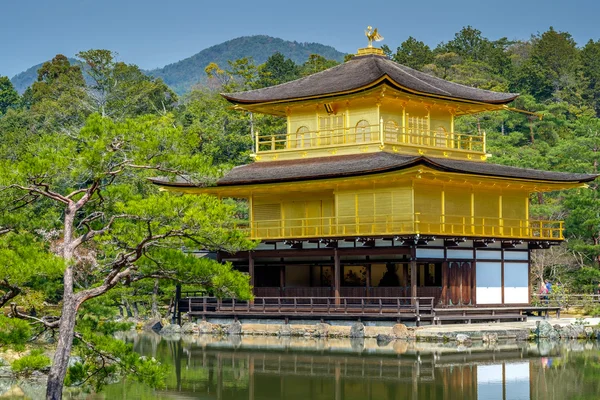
(459, 283)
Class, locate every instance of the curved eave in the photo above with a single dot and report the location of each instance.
(408, 167)
(385, 79)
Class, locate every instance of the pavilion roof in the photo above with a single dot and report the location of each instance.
(305, 169)
(363, 72)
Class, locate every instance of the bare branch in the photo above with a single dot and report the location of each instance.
(74, 193)
(87, 196)
(44, 321)
(92, 233)
(46, 192)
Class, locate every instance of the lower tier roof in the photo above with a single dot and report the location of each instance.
(371, 163)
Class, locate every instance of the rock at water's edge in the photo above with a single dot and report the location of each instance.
(153, 325)
(189, 327)
(463, 339)
(235, 328)
(357, 330)
(170, 329)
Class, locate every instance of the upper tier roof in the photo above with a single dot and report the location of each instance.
(363, 72)
(371, 163)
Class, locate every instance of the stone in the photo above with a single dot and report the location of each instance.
(545, 330)
(153, 325)
(589, 332)
(321, 329)
(235, 328)
(597, 334)
(189, 327)
(521, 335)
(577, 331)
(357, 330)
(490, 337)
(384, 340)
(401, 331)
(463, 339)
(14, 392)
(205, 327)
(285, 330)
(170, 329)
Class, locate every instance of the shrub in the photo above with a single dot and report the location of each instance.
(35, 361)
(14, 332)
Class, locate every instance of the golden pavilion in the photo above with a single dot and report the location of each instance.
(371, 193)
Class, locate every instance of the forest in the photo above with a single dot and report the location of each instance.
(84, 237)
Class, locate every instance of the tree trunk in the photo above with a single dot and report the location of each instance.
(155, 313)
(66, 330)
(127, 307)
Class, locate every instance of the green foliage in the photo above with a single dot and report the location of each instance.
(119, 90)
(14, 332)
(277, 69)
(35, 361)
(9, 98)
(28, 269)
(412, 53)
(104, 359)
(316, 63)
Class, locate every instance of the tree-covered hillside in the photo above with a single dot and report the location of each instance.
(182, 75)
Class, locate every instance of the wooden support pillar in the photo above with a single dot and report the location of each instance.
(368, 280)
(251, 272)
(445, 276)
(336, 283)
(413, 279)
(282, 280)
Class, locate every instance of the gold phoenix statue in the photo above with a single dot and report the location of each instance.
(373, 35)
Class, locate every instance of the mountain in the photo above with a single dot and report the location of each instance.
(182, 75)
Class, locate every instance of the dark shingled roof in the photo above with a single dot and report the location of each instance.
(372, 163)
(361, 72)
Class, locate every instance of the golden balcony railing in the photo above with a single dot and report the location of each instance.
(367, 134)
(318, 139)
(444, 225)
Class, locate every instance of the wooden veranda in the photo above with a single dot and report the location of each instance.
(399, 309)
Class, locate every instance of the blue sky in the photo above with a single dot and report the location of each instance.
(153, 33)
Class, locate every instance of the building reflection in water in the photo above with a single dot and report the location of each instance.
(329, 369)
(238, 374)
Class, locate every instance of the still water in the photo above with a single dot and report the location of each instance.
(265, 368)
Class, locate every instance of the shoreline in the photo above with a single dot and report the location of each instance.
(565, 328)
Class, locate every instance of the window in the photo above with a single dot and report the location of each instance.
(391, 131)
(441, 137)
(363, 131)
(418, 130)
(301, 139)
(331, 129)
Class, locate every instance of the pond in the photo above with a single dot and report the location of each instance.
(265, 368)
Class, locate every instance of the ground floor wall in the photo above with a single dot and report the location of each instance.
(454, 273)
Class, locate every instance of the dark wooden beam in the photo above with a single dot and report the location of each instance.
(413, 278)
(363, 251)
(281, 280)
(336, 267)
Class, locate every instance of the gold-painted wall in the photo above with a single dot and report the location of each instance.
(398, 206)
